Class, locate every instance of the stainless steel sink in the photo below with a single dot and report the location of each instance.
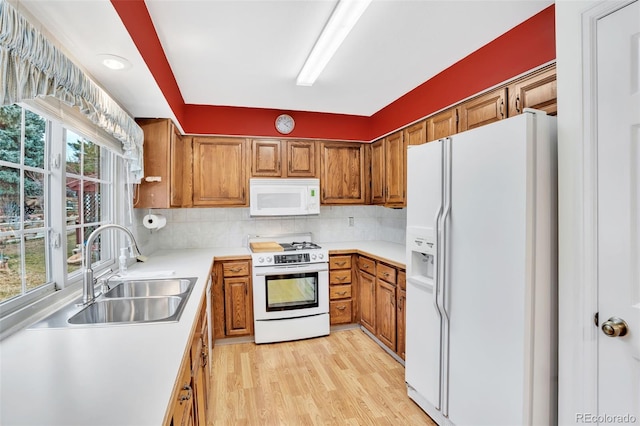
(129, 310)
(142, 301)
(150, 288)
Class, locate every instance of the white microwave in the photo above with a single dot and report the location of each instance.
(284, 197)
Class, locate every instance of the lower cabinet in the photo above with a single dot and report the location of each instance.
(401, 314)
(382, 302)
(232, 298)
(340, 289)
(190, 395)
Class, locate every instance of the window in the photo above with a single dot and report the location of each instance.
(24, 179)
(56, 187)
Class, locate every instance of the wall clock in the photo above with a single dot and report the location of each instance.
(285, 124)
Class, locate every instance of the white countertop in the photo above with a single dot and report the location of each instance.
(115, 375)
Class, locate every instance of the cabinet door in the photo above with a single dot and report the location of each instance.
(386, 313)
(377, 172)
(395, 162)
(484, 109)
(238, 313)
(538, 91)
(342, 173)
(401, 316)
(266, 158)
(443, 124)
(158, 135)
(219, 172)
(367, 283)
(301, 159)
(416, 134)
(181, 171)
(181, 410)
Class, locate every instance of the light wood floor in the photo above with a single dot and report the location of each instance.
(342, 379)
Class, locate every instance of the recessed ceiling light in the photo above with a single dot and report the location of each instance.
(114, 62)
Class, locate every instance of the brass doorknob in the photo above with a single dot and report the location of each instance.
(614, 327)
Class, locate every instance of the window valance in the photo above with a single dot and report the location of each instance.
(33, 67)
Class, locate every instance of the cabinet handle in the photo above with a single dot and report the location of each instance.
(246, 288)
(236, 269)
(518, 103)
(386, 274)
(341, 308)
(341, 263)
(501, 108)
(341, 293)
(341, 278)
(187, 396)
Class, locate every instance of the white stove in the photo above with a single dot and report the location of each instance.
(290, 289)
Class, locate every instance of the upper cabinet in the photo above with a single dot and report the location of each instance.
(484, 109)
(220, 177)
(416, 134)
(342, 173)
(388, 170)
(276, 158)
(167, 162)
(537, 90)
(442, 124)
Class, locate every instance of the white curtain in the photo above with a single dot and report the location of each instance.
(33, 67)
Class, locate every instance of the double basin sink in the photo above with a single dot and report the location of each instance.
(129, 302)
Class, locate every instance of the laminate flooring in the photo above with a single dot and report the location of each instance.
(341, 379)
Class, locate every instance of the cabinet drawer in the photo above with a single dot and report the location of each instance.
(386, 273)
(340, 262)
(340, 311)
(367, 265)
(339, 292)
(402, 280)
(236, 269)
(341, 276)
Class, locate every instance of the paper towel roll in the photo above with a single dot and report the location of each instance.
(154, 221)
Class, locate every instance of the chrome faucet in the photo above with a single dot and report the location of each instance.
(88, 284)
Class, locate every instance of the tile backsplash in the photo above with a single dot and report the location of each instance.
(229, 227)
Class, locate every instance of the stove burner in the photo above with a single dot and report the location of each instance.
(304, 245)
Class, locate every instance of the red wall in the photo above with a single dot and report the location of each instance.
(526, 46)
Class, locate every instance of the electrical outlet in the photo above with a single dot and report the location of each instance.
(351, 221)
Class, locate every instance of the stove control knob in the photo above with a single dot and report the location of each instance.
(320, 256)
(261, 259)
(269, 259)
(313, 257)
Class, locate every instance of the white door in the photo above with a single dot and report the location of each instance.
(618, 214)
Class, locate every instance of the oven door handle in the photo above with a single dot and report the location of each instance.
(298, 269)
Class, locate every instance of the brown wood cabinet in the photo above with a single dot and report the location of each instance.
(416, 134)
(386, 305)
(401, 314)
(189, 400)
(238, 298)
(484, 109)
(537, 90)
(340, 289)
(442, 124)
(276, 158)
(388, 171)
(200, 367)
(342, 173)
(219, 171)
(167, 156)
(367, 294)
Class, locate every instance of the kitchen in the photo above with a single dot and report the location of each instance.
(220, 227)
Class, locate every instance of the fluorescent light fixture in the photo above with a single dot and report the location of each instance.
(114, 62)
(342, 20)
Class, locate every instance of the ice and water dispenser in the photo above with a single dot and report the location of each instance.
(421, 251)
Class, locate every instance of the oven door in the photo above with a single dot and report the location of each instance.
(290, 291)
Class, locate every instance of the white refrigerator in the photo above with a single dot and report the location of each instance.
(481, 340)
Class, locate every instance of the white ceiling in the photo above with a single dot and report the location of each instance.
(248, 53)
